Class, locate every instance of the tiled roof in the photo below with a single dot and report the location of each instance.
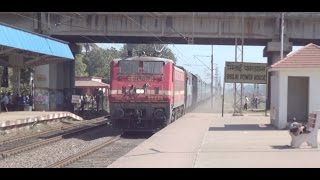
(90, 84)
(306, 57)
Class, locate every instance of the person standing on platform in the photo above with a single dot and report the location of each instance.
(4, 101)
(246, 103)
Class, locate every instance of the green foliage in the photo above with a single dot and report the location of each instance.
(25, 86)
(4, 77)
(80, 66)
(98, 60)
(25, 81)
(95, 61)
(5, 89)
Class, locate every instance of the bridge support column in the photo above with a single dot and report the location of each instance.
(70, 72)
(272, 52)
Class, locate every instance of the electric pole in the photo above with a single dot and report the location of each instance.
(282, 32)
(211, 76)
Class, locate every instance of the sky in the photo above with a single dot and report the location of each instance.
(197, 58)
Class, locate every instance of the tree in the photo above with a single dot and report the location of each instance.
(25, 80)
(95, 61)
(4, 77)
(149, 50)
(80, 66)
(98, 60)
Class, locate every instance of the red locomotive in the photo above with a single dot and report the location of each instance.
(147, 93)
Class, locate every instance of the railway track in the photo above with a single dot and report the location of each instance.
(16, 146)
(52, 130)
(84, 153)
(104, 154)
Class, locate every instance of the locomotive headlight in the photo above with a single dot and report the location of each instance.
(139, 91)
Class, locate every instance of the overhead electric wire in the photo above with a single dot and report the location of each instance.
(150, 31)
(143, 27)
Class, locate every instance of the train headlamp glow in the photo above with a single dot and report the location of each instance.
(139, 91)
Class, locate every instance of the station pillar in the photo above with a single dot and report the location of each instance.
(70, 71)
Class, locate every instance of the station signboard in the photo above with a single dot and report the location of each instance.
(76, 99)
(240, 72)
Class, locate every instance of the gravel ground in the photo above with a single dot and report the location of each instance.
(107, 155)
(47, 155)
(36, 129)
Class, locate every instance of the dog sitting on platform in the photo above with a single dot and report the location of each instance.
(301, 133)
(298, 129)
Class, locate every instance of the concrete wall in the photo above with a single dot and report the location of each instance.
(59, 80)
(50, 82)
(41, 88)
(274, 110)
(282, 87)
(41, 76)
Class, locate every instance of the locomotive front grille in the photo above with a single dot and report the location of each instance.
(137, 116)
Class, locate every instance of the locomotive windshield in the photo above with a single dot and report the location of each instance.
(129, 67)
(152, 67)
(147, 67)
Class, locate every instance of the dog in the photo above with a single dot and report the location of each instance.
(298, 128)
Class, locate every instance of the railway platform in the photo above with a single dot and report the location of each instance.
(207, 140)
(21, 118)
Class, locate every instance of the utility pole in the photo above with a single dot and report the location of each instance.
(211, 76)
(216, 83)
(282, 30)
(235, 111)
(237, 105)
(242, 38)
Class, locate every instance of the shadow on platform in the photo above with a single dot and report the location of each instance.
(136, 135)
(282, 147)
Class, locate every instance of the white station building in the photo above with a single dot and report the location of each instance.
(295, 86)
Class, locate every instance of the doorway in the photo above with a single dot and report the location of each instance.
(298, 98)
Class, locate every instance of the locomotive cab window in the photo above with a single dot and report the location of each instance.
(152, 67)
(129, 67)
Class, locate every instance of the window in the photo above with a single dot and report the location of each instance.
(129, 67)
(152, 67)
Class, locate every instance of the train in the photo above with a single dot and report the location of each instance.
(148, 93)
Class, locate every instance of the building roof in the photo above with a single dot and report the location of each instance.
(86, 78)
(14, 37)
(93, 84)
(306, 57)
